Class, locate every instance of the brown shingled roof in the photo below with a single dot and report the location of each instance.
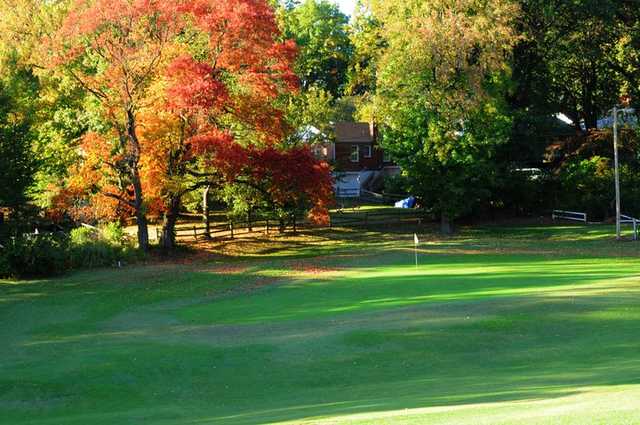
(354, 132)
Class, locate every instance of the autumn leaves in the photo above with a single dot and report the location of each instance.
(187, 95)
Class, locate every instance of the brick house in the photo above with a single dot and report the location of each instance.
(358, 160)
(357, 149)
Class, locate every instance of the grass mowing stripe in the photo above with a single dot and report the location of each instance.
(496, 327)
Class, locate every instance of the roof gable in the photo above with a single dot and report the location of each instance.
(354, 132)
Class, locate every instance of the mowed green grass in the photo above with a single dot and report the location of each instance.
(496, 326)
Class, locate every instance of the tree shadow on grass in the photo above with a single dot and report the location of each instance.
(439, 355)
(462, 329)
(378, 284)
(585, 241)
(522, 349)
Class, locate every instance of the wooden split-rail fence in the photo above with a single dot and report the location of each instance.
(232, 228)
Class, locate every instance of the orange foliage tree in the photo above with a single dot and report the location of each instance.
(287, 181)
(115, 49)
(191, 91)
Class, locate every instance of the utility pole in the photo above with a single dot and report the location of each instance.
(616, 170)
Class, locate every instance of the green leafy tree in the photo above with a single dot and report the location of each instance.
(368, 44)
(58, 112)
(626, 55)
(312, 113)
(322, 34)
(576, 58)
(16, 160)
(440, 96)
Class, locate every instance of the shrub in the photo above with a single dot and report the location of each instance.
(396, 184)
(95, 254)
(47, 255)
(83, 236)
(114, 233)
(5, 267)
(587, 185)
(522, 192)
(34, 256)
(98, 248)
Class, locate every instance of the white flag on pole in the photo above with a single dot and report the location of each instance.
(415, 239)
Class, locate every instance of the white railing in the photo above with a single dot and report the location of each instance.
(625, 219)
(347, 193)
(384, 196)
(569, 215)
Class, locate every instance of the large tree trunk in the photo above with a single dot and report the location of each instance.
(169, 224)
(1, 227)
(141, 217)
(205, 212)
(590, 84)
(445, 224)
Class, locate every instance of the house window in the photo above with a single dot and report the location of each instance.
(355, 153)
(367, 151)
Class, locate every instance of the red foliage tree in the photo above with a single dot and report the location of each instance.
(191, 91)
(290, 180)
(115, 49)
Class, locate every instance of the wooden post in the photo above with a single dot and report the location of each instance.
(195, 233)
(295, 229)
(616, 171)
(267, 231)
(205, 212)
(231, 228)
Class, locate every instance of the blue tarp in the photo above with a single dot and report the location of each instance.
(410, 202)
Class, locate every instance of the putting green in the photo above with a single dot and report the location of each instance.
(496, 326)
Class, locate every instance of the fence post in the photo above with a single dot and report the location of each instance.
(295, 229)
(267, 230)
(195, 233)
(231, 228)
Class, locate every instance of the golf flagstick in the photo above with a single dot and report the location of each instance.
(416, 241)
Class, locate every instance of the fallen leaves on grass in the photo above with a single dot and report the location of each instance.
(311, 266)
